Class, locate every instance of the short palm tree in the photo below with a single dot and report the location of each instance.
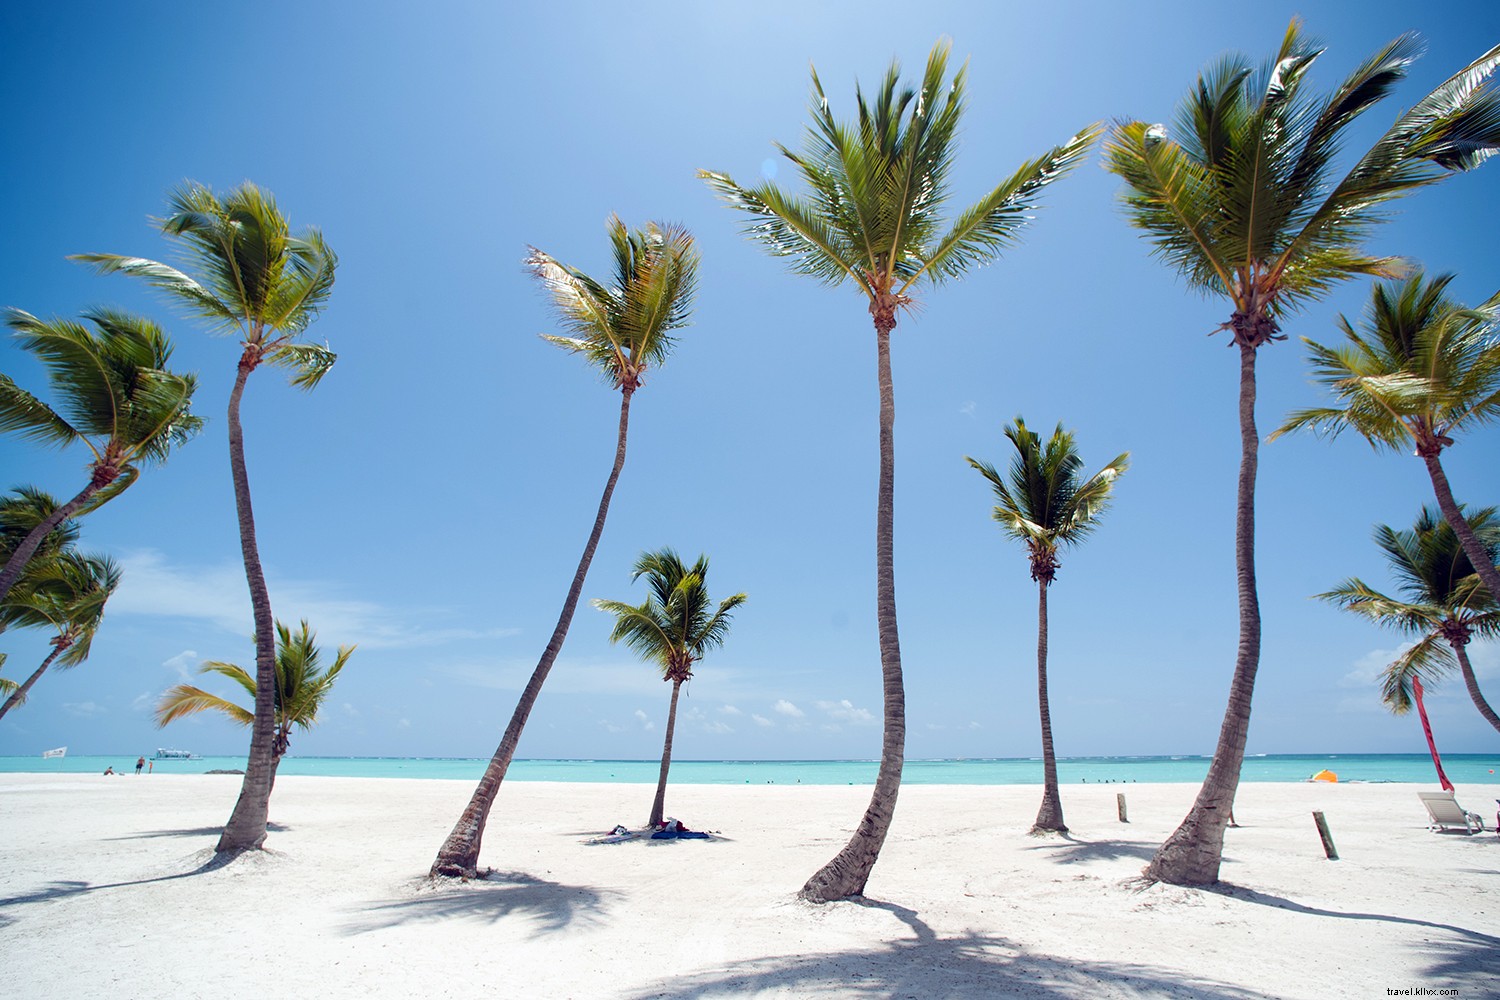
(68, 597)
(251, 276)
(114, 395)
(673, 629)
(1048, 504)
(303, 684)
(623, 330)
(877, 188)
(1444, 605)
(1245, 203)
(1423, 369)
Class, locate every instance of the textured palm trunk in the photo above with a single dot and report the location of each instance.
(19, 694)
(1049, 818)
(847, 873)
(659, 805)
(1488, 574)
(16, 564)
(246, 829)
(1470, 681)
(1192, 854)
(459, 855)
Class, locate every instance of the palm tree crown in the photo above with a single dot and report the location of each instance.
(251, 274)
(1048, 503)
(877, 188)
(676, 624)
(623, 328)
(1246, 202)
(1443, 604)
(303, 684)
(66, 594)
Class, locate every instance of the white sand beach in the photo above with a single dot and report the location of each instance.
(107, 889)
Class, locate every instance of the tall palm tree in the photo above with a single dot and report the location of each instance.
(19, 516)
(1048, 504)
(303, 684)
(1246, 203)
(622, 329)
(114, 395)
(1424, 369)
(673, 629)
(69, 597)
(251, 276)
(1445, 604)
(876, 190)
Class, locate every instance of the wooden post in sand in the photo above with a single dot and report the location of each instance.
(1120, 805)
(1328, 848)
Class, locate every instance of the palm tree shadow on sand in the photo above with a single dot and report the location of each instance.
(63, 888)
(1077, 850)
(552, 906)
(197, 831)
(927, 965)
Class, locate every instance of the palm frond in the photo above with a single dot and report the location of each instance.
(183, 700)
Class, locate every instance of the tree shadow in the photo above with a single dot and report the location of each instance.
(931, 966)
(65, 888)
(197, 831)
(1469, 936)
(1077, 850)
(494, 897)
(1459, 961)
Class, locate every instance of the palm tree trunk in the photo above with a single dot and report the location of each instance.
(1192, 854)
(849, 870)
(1470, 681)
(33, 540)
(19, 694)
(459, 855)
(246, 829)
(1473, 548)
(660, 804)
(1049, 818)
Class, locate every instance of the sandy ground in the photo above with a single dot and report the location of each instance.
(108, 889)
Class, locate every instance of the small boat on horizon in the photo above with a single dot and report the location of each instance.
(163, 753)
(59, 752)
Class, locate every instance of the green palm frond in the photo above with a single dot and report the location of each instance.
(22, 512)
(1430, 658)
(308, 362)
(65, 594)
(876, 188)
(183, 700)
(677, 624)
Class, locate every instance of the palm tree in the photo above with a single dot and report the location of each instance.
(1445, 605)
(622, 330)
(114, 394)
(1424, 369)
(1048, 504)
(68, 597)
(302, 685)
(255, 278)
(673, 629)
(877, 187)
(19, 516)
(1246, 204)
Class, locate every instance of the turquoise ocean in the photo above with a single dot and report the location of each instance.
(1416, 768)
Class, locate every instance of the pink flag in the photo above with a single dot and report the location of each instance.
(1416, 686)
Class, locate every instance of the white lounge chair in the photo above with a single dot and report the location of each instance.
(1446, 812)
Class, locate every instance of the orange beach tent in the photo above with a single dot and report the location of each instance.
(1324, 775)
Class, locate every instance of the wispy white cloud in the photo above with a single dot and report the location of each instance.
(152, 586)
(729, 710)
(761, 720)
(717, 727)
(567, 676)
(182, 664)
(84, 709)
(400, 724)
(644, 720)
(784, 707)
(967, 409)
(844, 711)
(144, 702)
(348, 709)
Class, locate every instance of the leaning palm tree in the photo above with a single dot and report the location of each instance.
(1423, 369)
(114, 395)
(1048, 504)
(303, 684)
(872, 215)
(622, 330)
(69, 598)
(673, 629)
(256, 279)
(1245, 203)
(19, 516)
(1444, 605)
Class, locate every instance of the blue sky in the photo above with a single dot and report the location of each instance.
(430, 499)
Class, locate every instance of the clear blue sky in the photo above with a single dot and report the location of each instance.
(430, 499)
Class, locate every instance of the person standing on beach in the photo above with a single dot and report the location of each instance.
(140, 762)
